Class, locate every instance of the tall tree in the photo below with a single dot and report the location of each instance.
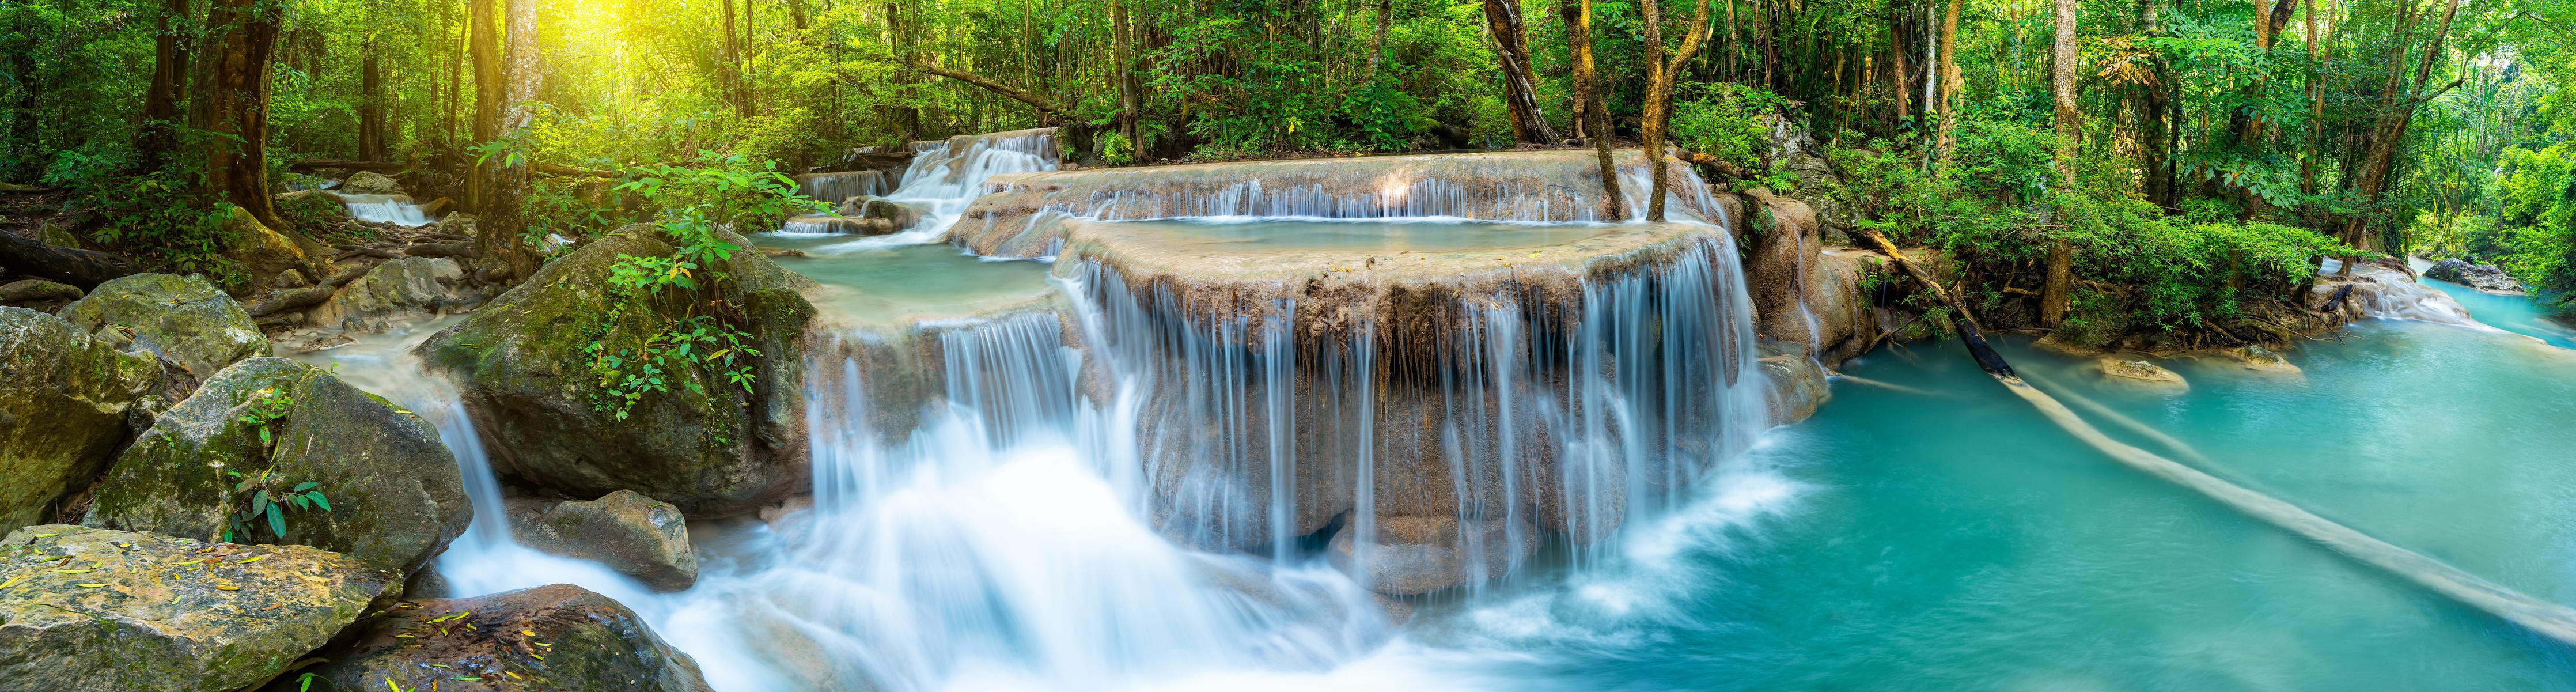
(2399, 100)
(232, 104)
(1587, 91)
(159, 134)
(1660, 75)
(1511, 48)
(371, 105)
(1123, 51)
(2055, 292)
(504, 220)
(1377, 42)
(1951, 83)
(485, 50)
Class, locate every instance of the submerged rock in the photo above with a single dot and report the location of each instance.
(2484, 277)
(526, 373)
(181, 318)
(1417, 555)
(626, 531)
(137, 612)
(1797, 383)
(559, 638)
(2142, 372)
(393, 493)
(64, 404)
(902, 215)
(2260, 359)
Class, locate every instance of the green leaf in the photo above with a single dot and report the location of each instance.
(304, 486)
(276, 522)
(318, 501)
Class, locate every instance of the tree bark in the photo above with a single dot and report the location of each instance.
(2053, 297)
(2397, 110)
(83, 268)
(1951, 82)
(1963, 322)
(1047, 110)
(159, 134)
(232, 101)
(371, 106)
(1511, 48)
(485, 50)
(907, 119)
(1588, 91)
(504, 220)
(1123, 46)
(2316, 107)
(1660, 75)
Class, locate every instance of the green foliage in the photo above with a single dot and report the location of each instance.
(1732, 122)
(261, 500)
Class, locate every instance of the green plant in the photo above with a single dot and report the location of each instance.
(266, 495)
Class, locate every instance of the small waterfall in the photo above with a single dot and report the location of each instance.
(942, 179)
(1426, 194)
(393, 209)
(834, 187)
(2386, 293)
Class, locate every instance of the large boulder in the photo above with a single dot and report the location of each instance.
(181, 318)
(392, 495)
(624, 530)
(370, 183)
(558, 638)
(1418, 554)
(530, 367)
(263, 252)
(113, 611)
(395, 287)
(64, 404)
(2484, 277)
(1797, 382)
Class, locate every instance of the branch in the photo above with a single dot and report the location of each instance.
(1723, 166)
(1048, 109)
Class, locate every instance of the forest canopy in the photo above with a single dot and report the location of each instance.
(2137, 164)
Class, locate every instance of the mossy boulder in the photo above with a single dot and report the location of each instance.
(394, 493)
(525, 366)
(113, 611)
(64, 404)
(395, 287)
(370, 183)
(2142, 373)
(182, 318)
(633, 534)
(38, 294)
(559, 638)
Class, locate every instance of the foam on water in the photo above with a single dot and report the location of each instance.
(384, 209)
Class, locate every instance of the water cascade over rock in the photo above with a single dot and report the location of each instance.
(935, 187)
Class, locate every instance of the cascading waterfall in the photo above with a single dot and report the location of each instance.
(384, 209)
(942, 179)
(2391, 294)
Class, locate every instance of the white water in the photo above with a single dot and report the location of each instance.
(944, 177)
(384, 209)
(2391, 294)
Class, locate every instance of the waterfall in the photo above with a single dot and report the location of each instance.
(942, 179)
(2386, 293)
(393, 209)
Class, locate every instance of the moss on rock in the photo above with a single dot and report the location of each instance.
(181, 318)
(64, 400)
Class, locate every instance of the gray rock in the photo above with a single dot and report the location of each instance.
(2141, 372)
(159, 614)
(182, 318)
(626, 531)
(2484, 277)
(38, 294)
(411, 285)
(394, 493)
(64, 401)
(370, 183)
(705, 445)
(560, 638)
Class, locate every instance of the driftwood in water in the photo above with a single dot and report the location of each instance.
(2335, 302)
(81, 268)
(1964, 322)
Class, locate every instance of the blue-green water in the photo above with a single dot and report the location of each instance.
(1958, 541)
(2509, 313)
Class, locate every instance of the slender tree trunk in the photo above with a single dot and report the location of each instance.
(1659, 95)
(456, 78)
(371, 106)
(1587, 90)
(907, 119)
(497, 236)
(2053, 296)
(1377, 42)
(731, 57)
(23, 143)
(1511, 47)
(2397, 110)
(159, 134)
(2153, 106)
(1123, 46)
(1951, 83)
(241, 37)
(2316, 106)
(486, 53)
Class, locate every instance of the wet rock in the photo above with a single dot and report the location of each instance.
(705, 444)
(150, 613)
(458, 224)
(1416, 555)
(65, 399)
(38, 295)
(2140, 371)
(626, 531)
(2260, 359)
(411, 285)
(2484, 277)
(1797, 383)
(370, 183)
(394, 495)
(180, 318)
(831, 223)
(899, 214)
(262, 251)
(1802, 293)
(559, 638)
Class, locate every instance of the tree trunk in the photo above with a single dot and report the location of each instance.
(2316, 107)
(371, 106)
(1659, 95)
(1511, 48)
(2397, 110)
(1951, 82)
(2153, 105)
(77, 267)
(1586, 90)
(486, 52)
(159, 134)
(241, 36)
(730, 78)
(2053, 296)
(504, 220)
(456, 78)
(1123, 46)
(1377, 42)
(907, 119)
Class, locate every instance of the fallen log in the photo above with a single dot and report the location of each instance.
(1723, 167)
(83, 269)
(440, 250)
(1964, 322)
(308, 296)
(318, 164)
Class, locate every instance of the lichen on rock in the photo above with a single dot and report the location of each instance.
(560, 638)
(181, 318)
(64, 404)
